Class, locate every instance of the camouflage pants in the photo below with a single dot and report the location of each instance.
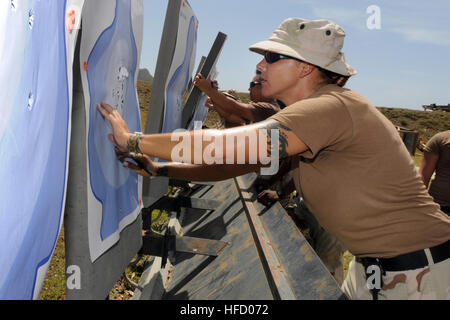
(430, 283)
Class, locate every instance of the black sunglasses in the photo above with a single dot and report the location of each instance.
(254, 83)
(272, 57)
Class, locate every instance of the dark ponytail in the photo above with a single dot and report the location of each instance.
(331, 77)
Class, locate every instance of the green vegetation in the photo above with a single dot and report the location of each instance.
(427, 123)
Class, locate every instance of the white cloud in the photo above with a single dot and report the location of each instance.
(407, 24)
(431, 36)
(348, 17)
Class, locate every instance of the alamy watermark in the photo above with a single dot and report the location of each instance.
(374, 275)
(207, 147)
(374, 19)
(73, 281)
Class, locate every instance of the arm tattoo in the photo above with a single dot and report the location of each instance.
(283, 140)
(163, 171)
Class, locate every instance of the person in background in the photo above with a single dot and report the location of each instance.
(228, 119)
(436, 158)
(237, 113)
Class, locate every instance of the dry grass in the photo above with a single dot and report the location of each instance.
(144, 90)
(54, 287)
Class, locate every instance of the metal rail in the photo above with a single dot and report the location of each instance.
(276, 275)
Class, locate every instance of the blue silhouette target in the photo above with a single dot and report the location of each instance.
(34, 136)
(111, 72)
(181, 70)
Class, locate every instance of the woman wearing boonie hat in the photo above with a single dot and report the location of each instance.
(355, 173)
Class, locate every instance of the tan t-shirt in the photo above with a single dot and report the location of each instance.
(440, 187)
(358, 178)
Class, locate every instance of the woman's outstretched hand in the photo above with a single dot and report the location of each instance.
(146, 167)
(121, 133)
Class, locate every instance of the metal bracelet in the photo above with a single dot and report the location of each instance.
(133, 144)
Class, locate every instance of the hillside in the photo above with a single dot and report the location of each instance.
(144, 75)
(427, 123)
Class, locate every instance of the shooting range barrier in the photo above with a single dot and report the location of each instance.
(410, 139)
(220, 242)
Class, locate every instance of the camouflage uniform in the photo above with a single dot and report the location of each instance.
(429, 283)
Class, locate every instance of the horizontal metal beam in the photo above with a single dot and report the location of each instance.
(173, 204)
(159, 245)
(199, 246)
(196, 203)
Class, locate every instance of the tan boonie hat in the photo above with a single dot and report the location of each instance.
(230, 94)
(318, 42)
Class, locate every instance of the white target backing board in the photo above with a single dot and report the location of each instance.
(173, 72)
(208, 70)
(36, 53)
(201, 111)
(181, 68)
(109, 57)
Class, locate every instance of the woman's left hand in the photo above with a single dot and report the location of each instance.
(146, 167)
(121, 133)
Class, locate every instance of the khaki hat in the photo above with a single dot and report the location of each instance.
(318, 42)
(230, 94)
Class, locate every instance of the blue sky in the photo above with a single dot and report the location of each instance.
(405, 64)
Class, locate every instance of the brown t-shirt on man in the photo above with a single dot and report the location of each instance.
(358, 178)
(263, 110)
(440, 187)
